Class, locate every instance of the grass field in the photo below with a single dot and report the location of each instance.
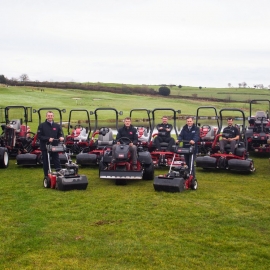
(225, 224)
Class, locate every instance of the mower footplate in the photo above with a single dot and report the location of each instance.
(121, 174)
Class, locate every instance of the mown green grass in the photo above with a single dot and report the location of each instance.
(223, 225)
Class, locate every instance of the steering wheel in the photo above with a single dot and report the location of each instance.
(124, 140)
(78, 126)
(206, 126)
(30, 135)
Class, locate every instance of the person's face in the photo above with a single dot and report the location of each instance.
(230, 122)
(49, 117)
(164, 120)
(189, 122)
(127, 122)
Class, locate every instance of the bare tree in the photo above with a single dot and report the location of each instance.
(24, 77)
(244, 84)
(229, 85)
(239, 84)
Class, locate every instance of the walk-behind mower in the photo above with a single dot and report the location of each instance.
(101, 140)
(209, 126)
(163, 157)
(33, 155)
(180, 177)
(258, 131)
(122, 169)
(238, 160)
(79, 130)
(67, 178)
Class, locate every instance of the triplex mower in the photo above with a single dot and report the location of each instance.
(122, 169)
(163, 157)
(208, 131)
(180, 177)
(258, 131)
(78, 129)
(33, 155)
(16, 132)
(101, 140)
(238, 160)
(67, 178)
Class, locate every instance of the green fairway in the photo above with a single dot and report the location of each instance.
(225, 224)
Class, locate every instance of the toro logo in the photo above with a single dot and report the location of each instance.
(130, 132)
(120, 155)
(54, 128)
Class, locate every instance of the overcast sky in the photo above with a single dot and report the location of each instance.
(188, 42)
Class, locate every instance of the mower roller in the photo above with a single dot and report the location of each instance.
(67, 178)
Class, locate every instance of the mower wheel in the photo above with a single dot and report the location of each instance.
(4, 159)
(194, 184)
(47, 182)
(148, 173)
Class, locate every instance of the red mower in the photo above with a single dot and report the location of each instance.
(180, 177)
(238, 160)
(67, 178)
(258, 131)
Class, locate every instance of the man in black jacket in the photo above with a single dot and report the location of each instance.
(47, 133)
(164, 134)
(130, 132)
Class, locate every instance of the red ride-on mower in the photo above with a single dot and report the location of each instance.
(15, 131)
(101, 141)
(67, 178)
(78, 129)
(180, 177)
(209, 126)
(122, 169)
(258, 131)
(162, 157)
(238, 160)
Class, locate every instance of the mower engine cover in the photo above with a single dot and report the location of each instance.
(122, 152)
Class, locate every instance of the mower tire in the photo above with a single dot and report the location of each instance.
(47, 182)
(194, 184)
(4, 158)
(148, 173)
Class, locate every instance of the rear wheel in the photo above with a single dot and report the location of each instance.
(47, 182)
(194, 184)
(4, 158)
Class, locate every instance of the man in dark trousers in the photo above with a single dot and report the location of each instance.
(130, 132)
(164, 134)
(231, 139)
(190, 134)
(47, 133)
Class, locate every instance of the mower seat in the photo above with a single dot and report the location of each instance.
(105, 140)
(16, 125)
(82, 136)
(143, 135)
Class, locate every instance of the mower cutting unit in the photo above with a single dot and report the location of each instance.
(180, 177)
(122, 169)
(90, 156)
(163, 157)
(238, 160)
(208, 132)
(258, 131)
(67, 178)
